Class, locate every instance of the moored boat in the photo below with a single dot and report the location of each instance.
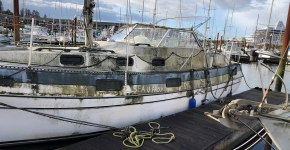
(96, 85)
(142, 73)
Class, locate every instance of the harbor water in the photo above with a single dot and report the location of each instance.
(252, 77)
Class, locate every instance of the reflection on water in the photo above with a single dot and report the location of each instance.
(252, 77)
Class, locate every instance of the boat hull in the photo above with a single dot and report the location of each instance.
(26, 118)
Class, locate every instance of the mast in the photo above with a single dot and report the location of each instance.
(142, 12)
(206, 25)
(257, 23)
(264, 47)
(97, 7)
(154, 13)
(60, 16)
(226, 25)
(31, 42)
(180, 14)
(88, 16)
(23, 7)
(256, 30)
(195, 15)
(213, 23)
(52, 27)
(232, 20)
(120, 18)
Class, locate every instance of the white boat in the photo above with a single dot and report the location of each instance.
(38, 32)
(77, 91)
(235, 50)
(142, 73)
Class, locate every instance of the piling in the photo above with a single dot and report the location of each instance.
(284, 53)
(16, 21)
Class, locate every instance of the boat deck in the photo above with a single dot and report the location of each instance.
(192, 129)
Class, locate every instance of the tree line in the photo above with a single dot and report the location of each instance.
(23, 12)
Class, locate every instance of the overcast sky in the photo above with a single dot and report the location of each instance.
(242, 14)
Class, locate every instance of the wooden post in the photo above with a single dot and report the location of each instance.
(270, 43)
(245, 44)
(283, 54)
(16, 21)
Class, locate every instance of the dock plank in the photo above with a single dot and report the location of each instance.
(192, 129)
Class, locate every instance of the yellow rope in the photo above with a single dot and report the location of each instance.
(134, 139)
(163, 140)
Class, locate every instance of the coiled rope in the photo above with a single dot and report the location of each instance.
(134, 139)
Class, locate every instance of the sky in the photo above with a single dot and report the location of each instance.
(229, 17)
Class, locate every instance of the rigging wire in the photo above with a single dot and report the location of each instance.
(255, 132)
(61, 118)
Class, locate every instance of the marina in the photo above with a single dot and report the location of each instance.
(149, 85)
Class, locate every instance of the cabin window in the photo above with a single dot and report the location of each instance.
(109, 85)
(173, 82)
(71, 59)
(158, 62)
(122, 61)
(6, 81)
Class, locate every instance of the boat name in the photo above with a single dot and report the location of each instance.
(158, 88)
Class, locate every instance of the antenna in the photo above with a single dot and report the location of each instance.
(226, 21)
(180, 14)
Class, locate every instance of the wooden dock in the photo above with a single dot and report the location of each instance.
(192, 129)
(246, 59)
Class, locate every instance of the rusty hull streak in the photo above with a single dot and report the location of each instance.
(134, 100)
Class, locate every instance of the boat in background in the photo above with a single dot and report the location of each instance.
(258, 37)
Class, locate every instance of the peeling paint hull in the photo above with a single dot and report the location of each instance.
(74, 91)
(108, 111)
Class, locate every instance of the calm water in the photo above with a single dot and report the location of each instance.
(252, 77)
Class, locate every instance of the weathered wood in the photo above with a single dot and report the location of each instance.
(16, 21)
(192, 129)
